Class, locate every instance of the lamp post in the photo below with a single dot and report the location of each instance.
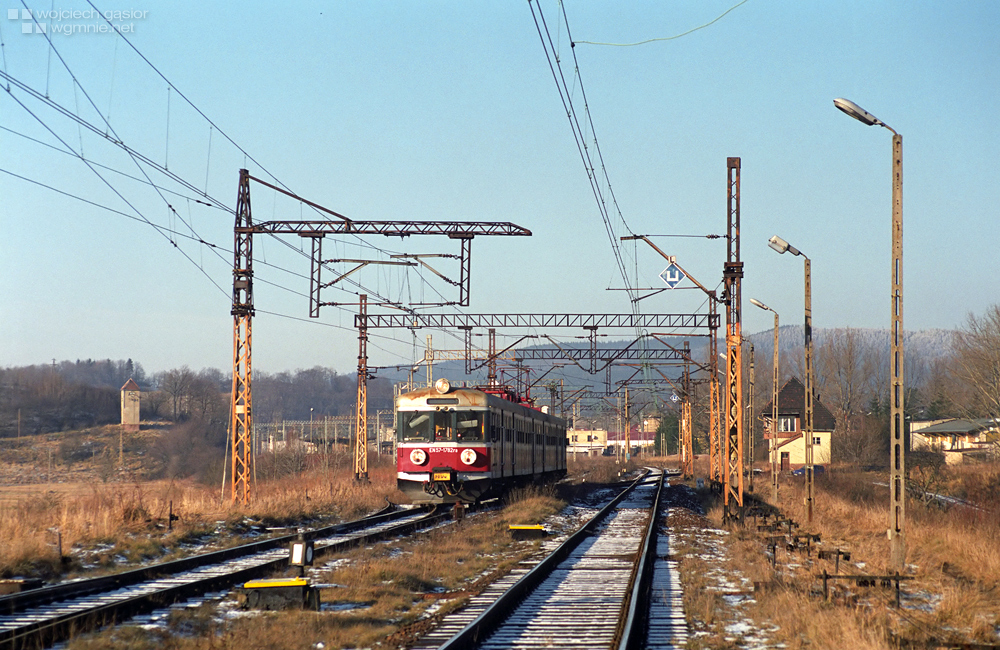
(897, 479)
(774, 407)
(780, 245)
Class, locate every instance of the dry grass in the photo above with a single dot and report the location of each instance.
(599, 469)
(129, 518)
(955, 596)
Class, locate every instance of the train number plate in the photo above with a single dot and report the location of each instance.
(442, 476)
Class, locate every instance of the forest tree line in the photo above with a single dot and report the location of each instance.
(852, 371)
(71, 395)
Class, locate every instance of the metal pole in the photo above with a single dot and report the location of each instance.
(774, 419)
(241, 402)
(714, 404)
(807, 432)
(897, 482)
(361, 418)
(429, 359)
(628, 428)
(897, 451)
(749, 410)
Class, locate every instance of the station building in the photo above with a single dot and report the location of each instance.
(791, 416)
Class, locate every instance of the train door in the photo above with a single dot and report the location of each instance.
(515, 433)
(530, 438)
(510, 460)
(546, 466)
(496, 443)
(536, 448)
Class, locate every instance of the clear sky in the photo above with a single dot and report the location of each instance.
(448, 111)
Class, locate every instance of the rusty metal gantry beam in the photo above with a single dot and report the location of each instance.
(733, 275)
(542, 321)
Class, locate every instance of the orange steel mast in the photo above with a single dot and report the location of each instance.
(241, 413)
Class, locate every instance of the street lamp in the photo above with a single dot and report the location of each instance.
(780, 245)
(774, 407)
(897, 479)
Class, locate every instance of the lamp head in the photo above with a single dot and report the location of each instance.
(856, 112)
(778, 244)
(760, 304)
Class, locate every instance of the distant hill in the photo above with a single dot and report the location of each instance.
(928, 344)
(925, 344)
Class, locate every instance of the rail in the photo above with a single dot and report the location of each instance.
(493, 617)
(32, 619)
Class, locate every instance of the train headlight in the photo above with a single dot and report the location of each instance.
(418, 456)
(468, 456)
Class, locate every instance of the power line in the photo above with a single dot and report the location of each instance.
(137, 157)
(565, 95)
(113, 170)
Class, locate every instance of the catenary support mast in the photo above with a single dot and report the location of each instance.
(241, 414)
(733, 274)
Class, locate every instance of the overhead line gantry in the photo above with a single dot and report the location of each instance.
(241, 411)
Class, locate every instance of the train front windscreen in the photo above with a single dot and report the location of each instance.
(441, 426)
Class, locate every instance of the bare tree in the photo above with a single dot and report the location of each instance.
(976, 363)
(176, 383)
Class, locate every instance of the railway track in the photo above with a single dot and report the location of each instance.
(596, 590)
(40, 617)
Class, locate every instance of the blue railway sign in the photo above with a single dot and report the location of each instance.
(672, 275)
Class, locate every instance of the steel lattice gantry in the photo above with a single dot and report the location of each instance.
(589, 322)
(543, 321)
(241, 418)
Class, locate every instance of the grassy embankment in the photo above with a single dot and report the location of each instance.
(113, 518)
(954, 596)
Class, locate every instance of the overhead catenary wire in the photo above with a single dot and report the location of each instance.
(134, 154)
(170, 84)
(579, 135)
(115, 171)
(143, 162)
(667, 38)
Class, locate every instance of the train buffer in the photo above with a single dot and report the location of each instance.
(522, 532)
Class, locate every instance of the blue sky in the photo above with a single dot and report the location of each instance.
(448, 111)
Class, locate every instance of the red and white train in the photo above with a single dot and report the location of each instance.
(464, 444)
